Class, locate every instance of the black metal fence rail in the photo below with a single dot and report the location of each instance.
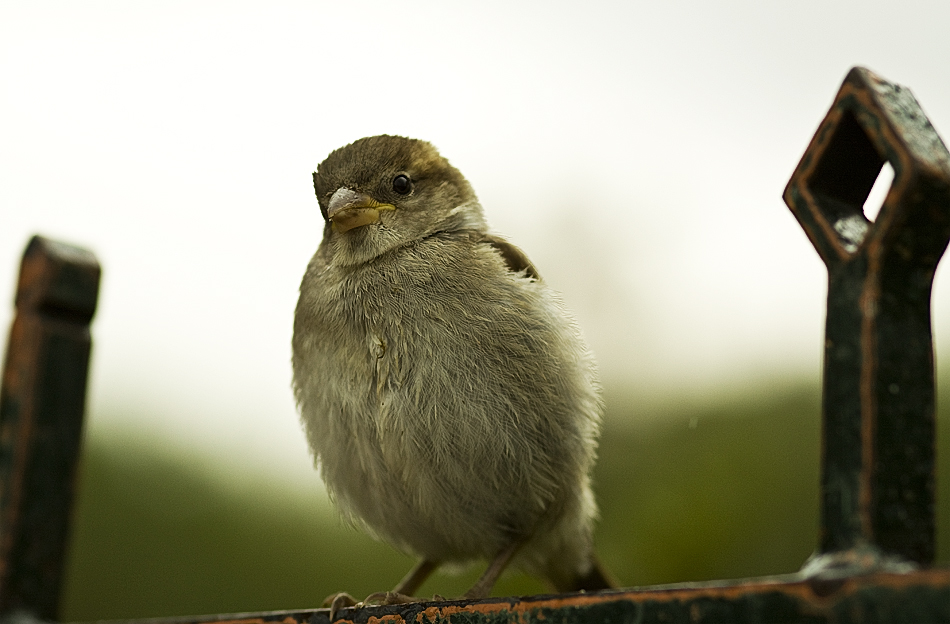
(912, 598)
(878, 470)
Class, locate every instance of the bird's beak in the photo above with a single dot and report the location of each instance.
(348, 209)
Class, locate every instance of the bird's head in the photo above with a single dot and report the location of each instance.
(383, 192)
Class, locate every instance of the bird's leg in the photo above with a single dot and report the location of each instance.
(483, 587)
(403, 592)
(416, 577)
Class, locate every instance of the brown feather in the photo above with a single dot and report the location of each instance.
(515, 259)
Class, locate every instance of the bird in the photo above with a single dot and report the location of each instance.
(450, 402)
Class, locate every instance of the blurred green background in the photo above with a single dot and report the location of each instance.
(689, 490)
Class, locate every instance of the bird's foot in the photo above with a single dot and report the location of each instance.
(390, 598)
(338, 601)
(343, 600)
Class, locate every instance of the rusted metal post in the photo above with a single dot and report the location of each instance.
(42, 401)
(877, 490)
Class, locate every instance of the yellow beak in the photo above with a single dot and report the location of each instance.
(348, 209)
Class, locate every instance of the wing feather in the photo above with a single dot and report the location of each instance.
(516, 259)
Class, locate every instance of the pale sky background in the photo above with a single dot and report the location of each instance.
(637, 151)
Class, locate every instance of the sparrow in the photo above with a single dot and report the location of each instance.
(449, 400)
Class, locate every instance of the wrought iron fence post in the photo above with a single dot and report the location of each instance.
(877, 490)
(41, 412)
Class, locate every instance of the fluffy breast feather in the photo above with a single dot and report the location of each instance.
(422, 393)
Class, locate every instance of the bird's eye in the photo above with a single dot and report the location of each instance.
(402, 184)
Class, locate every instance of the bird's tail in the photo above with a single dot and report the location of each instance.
(595, 579)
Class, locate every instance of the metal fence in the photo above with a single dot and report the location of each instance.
(876, 546)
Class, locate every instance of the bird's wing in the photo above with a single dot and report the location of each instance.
(516, 259)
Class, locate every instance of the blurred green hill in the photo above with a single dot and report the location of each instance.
(691, 491)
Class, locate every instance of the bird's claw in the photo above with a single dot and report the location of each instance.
(343, 600)
(339, 601)
(389, 598)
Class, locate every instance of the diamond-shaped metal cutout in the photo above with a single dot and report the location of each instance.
(870, 123)
(839, 184)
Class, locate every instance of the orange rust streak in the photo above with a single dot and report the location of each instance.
(255, 620)
(868, 303)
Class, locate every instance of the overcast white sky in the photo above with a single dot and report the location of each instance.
(636, 150)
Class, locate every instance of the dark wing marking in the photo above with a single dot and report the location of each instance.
(516, 259)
